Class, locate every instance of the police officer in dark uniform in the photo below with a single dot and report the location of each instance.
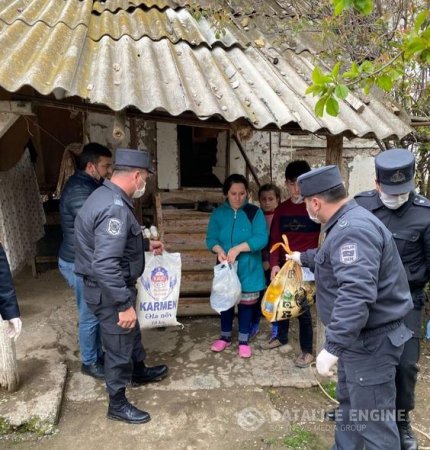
(407, 215)
(109, 256)
(362, 301)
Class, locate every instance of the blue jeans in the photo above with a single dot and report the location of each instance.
(89, 330)
(244, 315)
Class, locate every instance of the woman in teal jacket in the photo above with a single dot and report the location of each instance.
(237, 231)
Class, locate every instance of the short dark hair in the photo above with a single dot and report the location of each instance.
(296, 168)
(333, 195)
(91, 153)
(270, 187)
(232, 179)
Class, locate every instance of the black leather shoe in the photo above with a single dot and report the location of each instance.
(330, 415)
(126, 412)
(407, 438)
(148, 374)
(94, 370)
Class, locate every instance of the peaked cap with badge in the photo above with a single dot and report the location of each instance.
(129, 157)
(319, 180)
(395, 170)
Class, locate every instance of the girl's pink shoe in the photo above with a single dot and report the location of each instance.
(245, 351)
(219, 345)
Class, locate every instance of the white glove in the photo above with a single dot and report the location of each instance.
(325, 361)
(15, 326)
(295, 256)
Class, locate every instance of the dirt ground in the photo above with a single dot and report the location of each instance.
(236, 417)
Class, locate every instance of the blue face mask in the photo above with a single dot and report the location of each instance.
(393, 201)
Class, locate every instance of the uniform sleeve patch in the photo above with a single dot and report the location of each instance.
(114, 227)
(348, 253)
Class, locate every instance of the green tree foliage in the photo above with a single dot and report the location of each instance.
(383, 52)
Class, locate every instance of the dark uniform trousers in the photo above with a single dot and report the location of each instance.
(407, 371)
(366, 390)
(123, 347)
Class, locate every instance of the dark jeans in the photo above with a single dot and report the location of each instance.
(244, 316)
(306, 332)
(256, 311)
(365, 389)
(407, 370)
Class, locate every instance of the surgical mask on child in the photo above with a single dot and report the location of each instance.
(393, 201)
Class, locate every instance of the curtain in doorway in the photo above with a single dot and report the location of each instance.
(21, 213)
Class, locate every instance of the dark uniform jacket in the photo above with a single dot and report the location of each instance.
(77, 189)
(410, 225)
(361, 283)
(8, 303)
(109, 247)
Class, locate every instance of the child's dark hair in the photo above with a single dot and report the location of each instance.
(232, 179)
(270, 187)
(296, 168)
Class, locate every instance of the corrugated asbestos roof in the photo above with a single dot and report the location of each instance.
(155, 56)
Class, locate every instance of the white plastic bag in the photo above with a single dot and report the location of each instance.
(226, 288)
(158, 290)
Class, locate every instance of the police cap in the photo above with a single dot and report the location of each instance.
(395, 171)
(319, 180)
(128, 157)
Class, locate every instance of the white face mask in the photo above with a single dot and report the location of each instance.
(393, 201)
(313, 218)
(139, 192)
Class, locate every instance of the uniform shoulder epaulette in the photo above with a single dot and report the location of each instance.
(117, 200)
(419, 200)
(366, 193)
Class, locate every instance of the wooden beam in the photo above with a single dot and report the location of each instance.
(16, 107)
(334, 150)
(247, 161)
(74, 104)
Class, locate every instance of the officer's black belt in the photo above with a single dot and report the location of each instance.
(382, 329)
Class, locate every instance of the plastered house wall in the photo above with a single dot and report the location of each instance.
(268, 152)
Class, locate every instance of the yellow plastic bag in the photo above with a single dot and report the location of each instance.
(291, 292)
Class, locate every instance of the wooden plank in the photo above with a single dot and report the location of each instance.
(185, 225)
(195, 310)
(193, 260)
(21, 108)
(159, 215)
(202, 287)
(195, 307)
(180, 213)
(185, 241)
(197, 276)
(192, 196)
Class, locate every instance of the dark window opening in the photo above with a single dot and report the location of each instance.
(198, 156)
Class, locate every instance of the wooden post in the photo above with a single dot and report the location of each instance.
(9, 378)
(334, 153)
